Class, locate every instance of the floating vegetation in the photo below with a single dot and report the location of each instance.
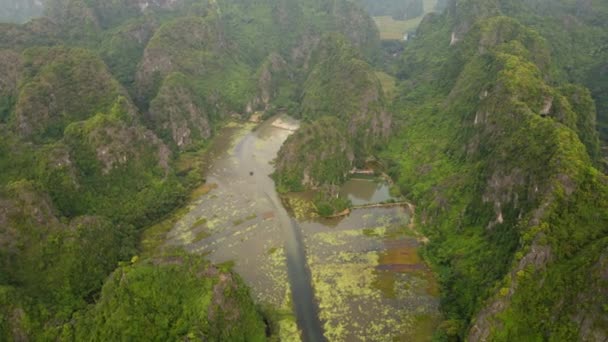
(201, 235)
(288, 326)
(201, 221)
(368, 278)
(243, 220)
(202, 190)
(300, 207)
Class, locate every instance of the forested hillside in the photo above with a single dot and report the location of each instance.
(496, 130)
(494, 136)
(498, 149)
(99, 102)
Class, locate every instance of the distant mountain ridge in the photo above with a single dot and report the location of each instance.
(20, 11)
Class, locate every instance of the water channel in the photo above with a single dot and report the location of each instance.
(357, 278)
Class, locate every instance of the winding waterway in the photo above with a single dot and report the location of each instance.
(352, 279)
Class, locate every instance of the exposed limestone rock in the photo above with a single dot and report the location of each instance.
(590, 311)
(64, 85)
(178, 113)
(302, 52)
(267, 80)
(221, 304)
(547, 106)
(10, 69)
(537, 258)
(162, 56)
(503, 189)
(117, 153)
(117, 144)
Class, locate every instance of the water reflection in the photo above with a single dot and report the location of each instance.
(365, 191)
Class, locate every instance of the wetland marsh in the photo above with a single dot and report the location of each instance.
(357, 278)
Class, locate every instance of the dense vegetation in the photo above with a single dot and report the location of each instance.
(99, 101)
(495, 139)
(495, 132)
(344, 106)
(205, 303)
(498, 151)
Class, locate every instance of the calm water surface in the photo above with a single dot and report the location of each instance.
(352, 279)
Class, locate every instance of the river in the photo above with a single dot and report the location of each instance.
(352, 279)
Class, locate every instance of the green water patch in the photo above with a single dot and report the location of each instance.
(369, 280)
(300, 205)
(200, 235)
(361, 191)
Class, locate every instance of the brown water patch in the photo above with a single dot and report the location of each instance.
(400, 256)
(370, 281)
(200, 235)
(423, 328)
(400, 268)
(269, 215)
(202, 190)
(432, 288)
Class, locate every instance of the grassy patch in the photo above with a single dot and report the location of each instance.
(201, 235)
(153, 237)
(201, 221)
(245, 219)
(202, 190)
(388, 83)
(370, 232)
(391, 29)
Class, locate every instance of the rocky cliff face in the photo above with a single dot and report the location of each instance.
(274, 74)
(359, 103)
(343, 92)
(10, 67)
(319, 154)
(31, 231)
(117, 144)
(501, 153)
(97, 100)
(178, 113)
(192, 46)
(60, 86)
